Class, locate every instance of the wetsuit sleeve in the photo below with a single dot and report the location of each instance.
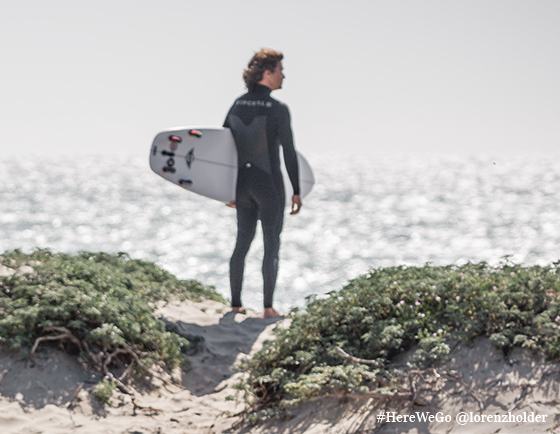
(287, 142)
(226, 120)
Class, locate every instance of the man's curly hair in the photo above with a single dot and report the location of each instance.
(264, 59)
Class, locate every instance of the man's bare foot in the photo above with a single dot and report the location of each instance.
(270, 312)
(241, 310)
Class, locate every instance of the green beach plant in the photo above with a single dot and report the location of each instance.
(103, 390)
(99, 306)
(348, 341)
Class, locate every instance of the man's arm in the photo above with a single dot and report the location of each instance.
(287, 142)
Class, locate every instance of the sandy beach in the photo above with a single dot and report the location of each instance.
(384, 173)
(52, 397)
(51, 394)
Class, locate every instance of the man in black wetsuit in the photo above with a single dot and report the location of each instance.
(260, 124)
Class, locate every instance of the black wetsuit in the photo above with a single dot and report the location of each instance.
(259, 124)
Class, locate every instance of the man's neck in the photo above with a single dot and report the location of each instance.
(262, 83)
(262, 88)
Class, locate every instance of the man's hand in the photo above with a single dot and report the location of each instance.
(296, 204)
(231, 204)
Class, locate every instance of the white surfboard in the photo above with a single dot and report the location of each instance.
(204, 160)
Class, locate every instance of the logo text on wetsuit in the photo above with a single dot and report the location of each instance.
(253, 103)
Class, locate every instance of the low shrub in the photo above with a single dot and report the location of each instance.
(99, 306)
(347, 342)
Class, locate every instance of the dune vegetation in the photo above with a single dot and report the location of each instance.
(101, 307)
(346, 343)
(98, 306)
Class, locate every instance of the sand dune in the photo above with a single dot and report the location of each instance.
(51, 395)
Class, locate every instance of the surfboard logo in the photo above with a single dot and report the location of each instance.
(174, 140)
(190, 158)
(169, 167)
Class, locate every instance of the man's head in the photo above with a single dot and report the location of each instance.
(265, 68)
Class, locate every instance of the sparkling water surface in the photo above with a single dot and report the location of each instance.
(363, 212)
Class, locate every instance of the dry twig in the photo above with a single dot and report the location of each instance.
(64, 334)
(354, 359)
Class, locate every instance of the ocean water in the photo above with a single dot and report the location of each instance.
(364, 212)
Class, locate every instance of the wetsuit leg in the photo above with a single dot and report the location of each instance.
(272, 218)
(246, 226)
